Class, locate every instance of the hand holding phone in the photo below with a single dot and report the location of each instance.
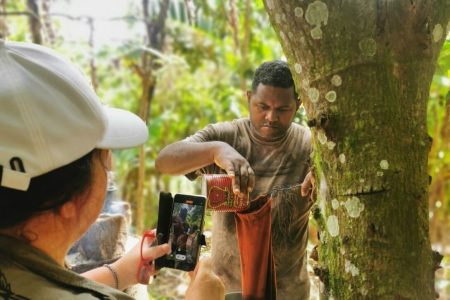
(146, 265)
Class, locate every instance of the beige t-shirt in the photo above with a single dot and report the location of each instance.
(280, 166)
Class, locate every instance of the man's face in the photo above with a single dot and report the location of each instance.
(272, 110)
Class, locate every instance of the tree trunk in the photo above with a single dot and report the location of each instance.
(92, 62)
(245, 45)
(363, 70)
(35, 21)
(47, 22)
(155, 40)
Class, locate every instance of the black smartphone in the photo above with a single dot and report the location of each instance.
(180, 223)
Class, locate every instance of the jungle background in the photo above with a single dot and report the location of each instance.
(180, 65)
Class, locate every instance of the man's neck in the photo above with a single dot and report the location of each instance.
(264, 140)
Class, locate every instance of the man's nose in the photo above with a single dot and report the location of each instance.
(271, 116)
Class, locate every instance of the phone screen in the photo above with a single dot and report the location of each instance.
(185, 231)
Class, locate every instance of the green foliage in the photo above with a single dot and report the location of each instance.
(17, 28)
(438, 128)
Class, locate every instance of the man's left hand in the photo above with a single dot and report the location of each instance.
(308, 185)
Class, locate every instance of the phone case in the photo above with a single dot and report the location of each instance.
(163, 227)
(219, 194)
(180, 225)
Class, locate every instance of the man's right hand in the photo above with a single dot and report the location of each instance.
(184, 157)
(227, 158)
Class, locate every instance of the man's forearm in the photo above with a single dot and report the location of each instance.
(184, 157)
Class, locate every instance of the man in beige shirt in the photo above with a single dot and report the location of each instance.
(267, 154)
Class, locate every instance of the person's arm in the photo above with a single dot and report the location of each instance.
(184, 157)
(126, 267)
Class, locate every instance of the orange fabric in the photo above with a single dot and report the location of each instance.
(258, 276)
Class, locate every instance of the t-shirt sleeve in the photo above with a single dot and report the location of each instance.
(212, 132)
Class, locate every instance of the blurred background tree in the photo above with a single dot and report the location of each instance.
(182, 64)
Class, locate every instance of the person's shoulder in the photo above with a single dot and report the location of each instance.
(19, 283)
(301, 130)
(234, 122)
(231, 126)
(241, 123)
(220, 131)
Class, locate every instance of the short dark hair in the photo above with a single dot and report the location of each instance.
(274, 73)
(47, 192)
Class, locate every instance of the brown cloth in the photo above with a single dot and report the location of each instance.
(258, 275)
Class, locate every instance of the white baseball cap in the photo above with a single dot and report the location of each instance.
(50, 115)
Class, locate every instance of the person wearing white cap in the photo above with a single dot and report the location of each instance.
(55, 141)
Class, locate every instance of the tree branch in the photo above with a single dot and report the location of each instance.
(15, 13)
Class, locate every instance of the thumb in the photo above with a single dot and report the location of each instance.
(203, 266)
(154, 252)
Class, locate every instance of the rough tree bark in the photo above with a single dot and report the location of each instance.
(363, 70)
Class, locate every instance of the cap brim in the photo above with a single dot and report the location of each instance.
(124, 130)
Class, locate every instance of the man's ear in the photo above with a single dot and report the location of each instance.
(298, 102)
(249, 96)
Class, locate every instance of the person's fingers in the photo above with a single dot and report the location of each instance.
(193, 274)
(205, 264)
(244, 179)
(203, 268)
(251, 179)
(145, 272)
(304, 190)
(236, 180)
(232, 173)
(149, 239)
(152, 253)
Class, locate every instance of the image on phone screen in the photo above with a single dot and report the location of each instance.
(185, 231)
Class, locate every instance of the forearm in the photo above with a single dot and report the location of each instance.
(184, 157)
(126, 271)
(105, 276)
